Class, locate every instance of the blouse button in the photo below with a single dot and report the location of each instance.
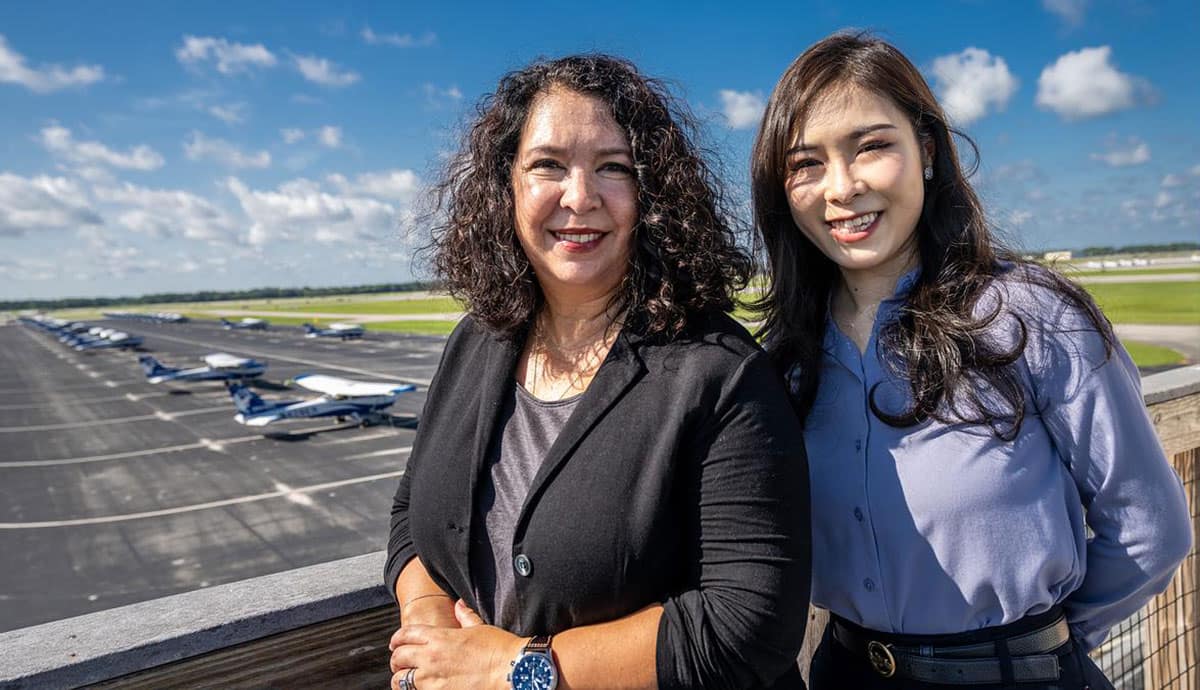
(858, 444)
(869, 585)
(523, 565)
(858, 514)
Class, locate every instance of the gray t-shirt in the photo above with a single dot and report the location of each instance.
(527, 428)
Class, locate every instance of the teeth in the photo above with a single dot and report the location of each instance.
(855, 223)
(579, 239)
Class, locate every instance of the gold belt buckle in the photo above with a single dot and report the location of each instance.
(881, 658)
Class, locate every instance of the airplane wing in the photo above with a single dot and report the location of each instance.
(224, 360)
(345, 388)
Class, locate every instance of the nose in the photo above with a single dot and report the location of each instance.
(580, 193)
(841, 184)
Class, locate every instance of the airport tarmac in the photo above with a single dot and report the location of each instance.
(114, 490)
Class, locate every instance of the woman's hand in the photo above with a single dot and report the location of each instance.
(472, 657)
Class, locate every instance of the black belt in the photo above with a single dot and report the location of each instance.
(962, 664)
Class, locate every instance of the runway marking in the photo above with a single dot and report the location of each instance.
(132, 397)
(286, 492)
(355, 439)
(296, 360)
(214, 445)
(379, 453)
(162, 416)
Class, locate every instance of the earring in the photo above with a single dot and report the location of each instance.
(928, 173)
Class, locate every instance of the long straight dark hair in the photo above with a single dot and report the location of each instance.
(937, 343)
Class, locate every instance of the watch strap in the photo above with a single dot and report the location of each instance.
(538, 644)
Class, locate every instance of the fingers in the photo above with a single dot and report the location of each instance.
(398, 676)
(466, 616)
(408, 634)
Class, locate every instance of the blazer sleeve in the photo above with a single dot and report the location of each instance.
(741, 623)
(400, 548)
(1091, 403)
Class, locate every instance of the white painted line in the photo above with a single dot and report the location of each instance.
(217, 445)
(160, 415)
(379, 453)
(355, 439)
(286, 492)
(224, 347)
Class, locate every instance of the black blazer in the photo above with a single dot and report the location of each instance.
(680, 478)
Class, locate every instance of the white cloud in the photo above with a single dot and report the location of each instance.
(46, 78)
(1163, 199)
(323, 72)
(396, 185)
(291, 135)
(742, 109)
(42, 203)
(1133, 152)
(398, 40)
(971, 82)
(169, 213)
(229, 114)
(1172, 180)
(1070, 11)
(1195, 170)
(199, 147)
(1085, 84)
(299, 209)
(230, 58)
(330, 136)
(58, 140)
(437, 97)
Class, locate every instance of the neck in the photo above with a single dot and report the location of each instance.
(570, 322)
(864, 290)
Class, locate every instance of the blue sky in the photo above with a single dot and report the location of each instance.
(154, 146)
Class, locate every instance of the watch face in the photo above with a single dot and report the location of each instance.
(534, 672)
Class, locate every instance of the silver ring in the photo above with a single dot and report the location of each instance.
(408, 682)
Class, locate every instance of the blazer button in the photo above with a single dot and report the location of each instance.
(523, 565)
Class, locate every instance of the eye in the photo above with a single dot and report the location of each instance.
(798, 164)
(875, 146)
(544, 164)
(616, 170)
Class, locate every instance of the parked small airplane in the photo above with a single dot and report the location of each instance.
(345, 331)
(246, 323)
(103, 339)
(360, 401)
(220, 367)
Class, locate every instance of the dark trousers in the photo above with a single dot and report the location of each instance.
(836, 668)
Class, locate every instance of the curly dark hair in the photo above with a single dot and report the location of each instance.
(685, 260)
(946, 351)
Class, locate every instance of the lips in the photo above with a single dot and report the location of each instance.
(854, 229)
(577, 237)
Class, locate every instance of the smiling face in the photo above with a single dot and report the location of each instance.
(574, 194)
(854, 183)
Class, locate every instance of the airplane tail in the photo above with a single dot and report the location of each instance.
(246, 400)
(308, 328)
(153, 367)
(226, 322)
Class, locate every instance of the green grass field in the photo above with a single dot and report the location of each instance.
(1152, 303)
(432, 305)
(1071, 272)
(1147, 355)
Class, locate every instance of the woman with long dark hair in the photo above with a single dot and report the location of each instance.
(608, 488)
(968, 416)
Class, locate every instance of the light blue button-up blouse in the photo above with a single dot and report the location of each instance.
(944, 528)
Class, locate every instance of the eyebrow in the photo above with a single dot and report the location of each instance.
(855, 134)
(559, 151)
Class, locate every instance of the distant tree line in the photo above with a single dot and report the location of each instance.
(1136, 249)
(210, 296)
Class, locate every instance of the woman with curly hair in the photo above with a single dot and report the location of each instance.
(969, 416)
(608, 488)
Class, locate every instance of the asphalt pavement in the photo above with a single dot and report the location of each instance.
(114, 490)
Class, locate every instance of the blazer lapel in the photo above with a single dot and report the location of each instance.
(620, 370)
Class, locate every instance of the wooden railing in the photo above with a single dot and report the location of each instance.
(328, 625)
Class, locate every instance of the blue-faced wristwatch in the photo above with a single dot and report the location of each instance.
(534, 668)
